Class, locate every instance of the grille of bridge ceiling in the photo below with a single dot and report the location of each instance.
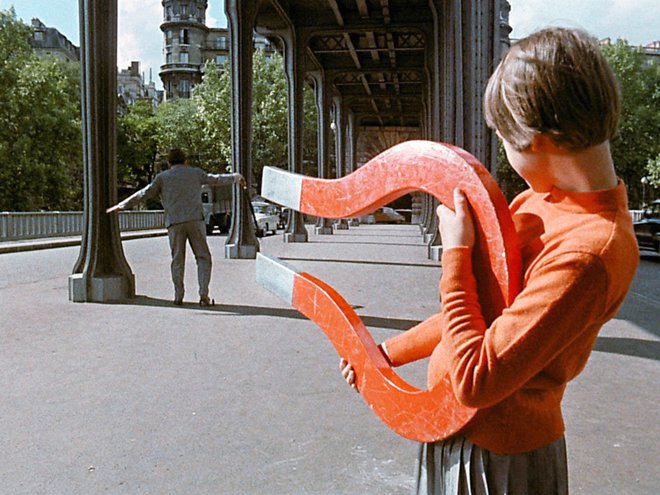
(373, 52)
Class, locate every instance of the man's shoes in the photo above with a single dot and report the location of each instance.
(178, 301)
(205, 301)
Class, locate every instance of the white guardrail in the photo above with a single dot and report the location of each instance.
(35, 225)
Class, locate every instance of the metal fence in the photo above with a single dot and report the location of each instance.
(35, 225)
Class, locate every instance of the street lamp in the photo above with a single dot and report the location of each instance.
(645, 180)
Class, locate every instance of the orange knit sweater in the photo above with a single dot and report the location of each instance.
(579, 257)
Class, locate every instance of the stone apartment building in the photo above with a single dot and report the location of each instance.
(131, 85)
(49, 41)
(189, 43)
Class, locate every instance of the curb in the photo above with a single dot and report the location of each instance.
(36, 244)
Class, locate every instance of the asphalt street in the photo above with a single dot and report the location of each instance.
(245, 397)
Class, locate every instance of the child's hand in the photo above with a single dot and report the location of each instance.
(456, 228)
(348, 373)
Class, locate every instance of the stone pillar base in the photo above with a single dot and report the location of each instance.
(292, 237)
(323, 230)
(435, 253)
(102, 289)
(234, 251)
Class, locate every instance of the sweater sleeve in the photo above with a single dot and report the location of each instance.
(416, 343)
(560, 300)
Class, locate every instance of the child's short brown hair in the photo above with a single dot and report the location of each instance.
(554, 82)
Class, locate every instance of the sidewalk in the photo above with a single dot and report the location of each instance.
(245, 397)
(58, 242)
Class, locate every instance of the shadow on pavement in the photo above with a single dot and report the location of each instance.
(648, 349)
(236, 309)
(362, 262)
(416, 244)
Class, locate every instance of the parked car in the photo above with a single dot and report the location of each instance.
(383, 215)
(267, 217)
(647, 230)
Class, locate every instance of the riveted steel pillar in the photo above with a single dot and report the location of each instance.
(294, 54)
(101, 272)
(322, 99)
(242, 240)
(351, 142)
(340, 148)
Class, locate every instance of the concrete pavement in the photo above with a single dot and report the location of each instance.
(245, 397)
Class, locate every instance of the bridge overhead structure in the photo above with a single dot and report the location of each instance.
(383, 71)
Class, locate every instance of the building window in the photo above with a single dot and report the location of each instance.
(184, 88)
(184, 37)
(184, 10)
(168, 58)
(39, 35)
(183, 57)
(220, 60)
(221, 44)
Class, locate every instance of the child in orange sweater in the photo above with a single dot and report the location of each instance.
(554, 102)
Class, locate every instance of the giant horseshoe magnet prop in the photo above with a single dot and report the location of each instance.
(422, 415)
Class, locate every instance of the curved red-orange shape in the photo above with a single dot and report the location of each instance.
(435, 168)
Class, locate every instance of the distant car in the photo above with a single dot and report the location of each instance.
(384, 215)
(647, 229)
(216, 204)
(267, 217)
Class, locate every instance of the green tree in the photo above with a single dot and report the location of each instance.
(507, 178)
(40, 137)
(653, 168)
(310, 143)
(212, 106)
(269, 114)
(176, 126)
(137, 145)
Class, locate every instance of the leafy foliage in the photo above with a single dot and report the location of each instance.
(40, 132)
(269, 113)
(137, 145)
(509, 181)
(636, 144)
(212, 101)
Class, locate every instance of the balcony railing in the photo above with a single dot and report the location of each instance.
(35, 225)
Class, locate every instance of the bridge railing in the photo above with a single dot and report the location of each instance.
(35, 225)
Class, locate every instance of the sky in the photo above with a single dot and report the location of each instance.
(140, 38)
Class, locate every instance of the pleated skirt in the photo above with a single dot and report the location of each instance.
(458, 467)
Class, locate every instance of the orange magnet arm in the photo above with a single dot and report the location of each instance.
(420, 415)
(433, 168)
(427, 166)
